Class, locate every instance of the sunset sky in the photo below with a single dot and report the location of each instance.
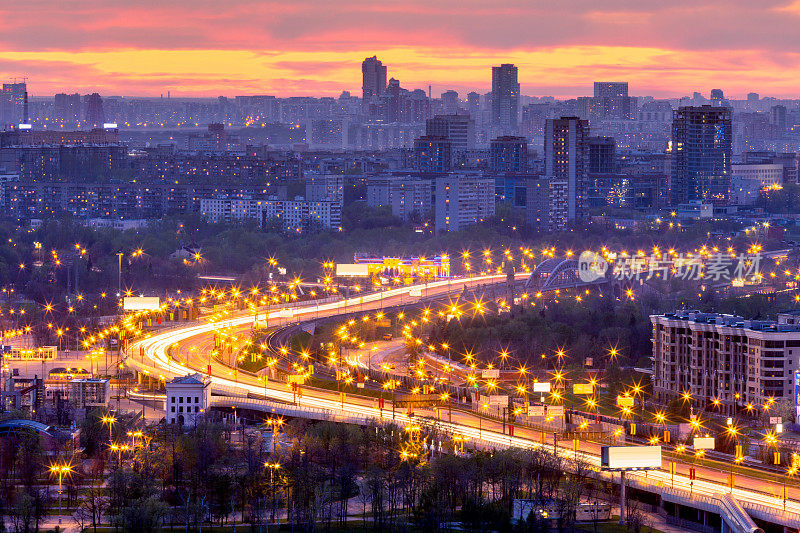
(315, 47)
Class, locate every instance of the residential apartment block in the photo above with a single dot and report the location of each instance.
(724, 361)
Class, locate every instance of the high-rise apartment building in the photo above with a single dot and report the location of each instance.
(702, 144)
(462, 201)
(610, 101)
(373, 78)
(459, 129)
(566, 166)
(724, 362)
(14, 104)
(505, 98)
(95, 115)
(67, 108)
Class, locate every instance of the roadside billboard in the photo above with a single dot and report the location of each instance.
(141, 303)
(352, 270)
(582, 388)
(490, 373)
(703, 443)
(541, 386)
(630, 457)
(624, 401)
(555, 410)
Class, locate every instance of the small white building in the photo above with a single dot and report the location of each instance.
(188, 399)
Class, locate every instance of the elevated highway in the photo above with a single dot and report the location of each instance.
(760, 496)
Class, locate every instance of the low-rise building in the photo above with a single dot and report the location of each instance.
(90, 392)
(188, 399)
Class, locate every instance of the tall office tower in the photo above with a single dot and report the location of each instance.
(459, 129)
(505, 97)
(602, 151)
(702, 143)
(95, 116)
(450, 102)
(14, 103)
(753, 97)
(566, 165)
(717, 94)
(67, 108)
(373, 78)
(509, 154)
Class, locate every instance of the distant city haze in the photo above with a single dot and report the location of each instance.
(315, 48)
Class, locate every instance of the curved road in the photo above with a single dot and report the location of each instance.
(151, 355)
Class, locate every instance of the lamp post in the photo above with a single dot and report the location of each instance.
(272, 468)
(60, 470)
(110, 421)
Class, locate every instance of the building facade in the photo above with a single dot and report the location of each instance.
(702, 144)
(724, 362)
(505, 98)
(188, 399)
(462, 201)
(566, 164)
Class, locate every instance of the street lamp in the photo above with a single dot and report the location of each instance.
(110, 421)
(60, 470)
(272, 468)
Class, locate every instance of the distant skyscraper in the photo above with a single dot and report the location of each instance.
(474, 105)
(702, 143)
(14, 104)
(373, 76)
(753, 97)
(67, 108)
(450, 102)
(566, 166)
(717, 94)
(95, 116)
(505, 97)
(610, 100)
(610, 89)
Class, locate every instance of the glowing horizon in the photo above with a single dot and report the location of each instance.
(315, 47)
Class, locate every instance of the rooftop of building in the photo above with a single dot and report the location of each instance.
(735, 321)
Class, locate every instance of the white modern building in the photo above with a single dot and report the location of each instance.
(90, 392)
(462, 201)
(188, 399)
(747, 181)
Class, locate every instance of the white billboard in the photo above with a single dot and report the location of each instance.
(630, 457)
(555, 410)
(541, 386)
(703, 443)
(490, 373)
(352, 270)
(141, 303)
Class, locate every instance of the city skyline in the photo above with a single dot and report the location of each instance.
(314, 49)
